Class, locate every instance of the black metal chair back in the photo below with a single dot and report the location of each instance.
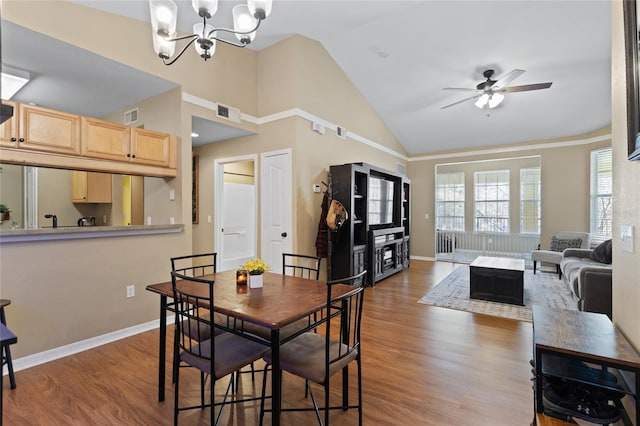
(195, 265)
(301, 265)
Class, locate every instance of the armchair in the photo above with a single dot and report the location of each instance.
(559, 242)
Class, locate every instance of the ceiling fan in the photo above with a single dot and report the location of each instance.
(490, 92)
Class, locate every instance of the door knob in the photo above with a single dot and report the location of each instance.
(283, 235)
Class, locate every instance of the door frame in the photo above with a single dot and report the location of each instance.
(218, 199)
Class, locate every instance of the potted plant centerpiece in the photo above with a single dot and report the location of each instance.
(4, 213)
(255, 268)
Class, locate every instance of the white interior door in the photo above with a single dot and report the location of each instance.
(275, 212)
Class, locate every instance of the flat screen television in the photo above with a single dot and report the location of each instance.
(381, 193)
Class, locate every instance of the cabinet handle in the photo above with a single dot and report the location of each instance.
(13, 139)
(133, 156)
(21, 139)
(128, 155)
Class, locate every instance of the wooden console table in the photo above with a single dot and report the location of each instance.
(573, 337)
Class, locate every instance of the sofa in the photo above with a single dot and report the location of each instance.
(588, 273)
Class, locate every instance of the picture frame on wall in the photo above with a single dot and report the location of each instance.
(632, 50)
(195, 190)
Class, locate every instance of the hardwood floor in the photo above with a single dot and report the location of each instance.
(422, 365)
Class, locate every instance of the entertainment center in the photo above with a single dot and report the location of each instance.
(375, 236)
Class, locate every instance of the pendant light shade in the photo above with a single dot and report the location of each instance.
(495, 100)
(164, 16)
(260, 9)
(205, 45)
(243, 23)
(482, 101)
(205, 8)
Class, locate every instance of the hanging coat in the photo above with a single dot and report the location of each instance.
(322, 239)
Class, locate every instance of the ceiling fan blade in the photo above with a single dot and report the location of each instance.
(463, 100)
(460, 89)
(508, 78)
(525, 87)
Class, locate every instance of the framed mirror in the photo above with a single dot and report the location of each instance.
(632, 46)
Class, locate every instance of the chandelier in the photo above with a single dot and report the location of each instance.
(164, 17)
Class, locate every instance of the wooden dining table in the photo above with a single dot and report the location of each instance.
(281, 301)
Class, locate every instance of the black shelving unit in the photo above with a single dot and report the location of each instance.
(378, 204)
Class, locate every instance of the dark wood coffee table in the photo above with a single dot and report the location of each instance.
(498, 279)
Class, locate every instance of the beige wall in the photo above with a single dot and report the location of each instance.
(65, 291)
(626, 197)
(565, 190)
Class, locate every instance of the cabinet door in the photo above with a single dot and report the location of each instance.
(148, 147)
(42, 129)
(90, 187)
(78, 187)
(103, 139)
(9, 129)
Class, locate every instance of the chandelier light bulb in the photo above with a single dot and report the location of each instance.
(164, 16)
(204, 45)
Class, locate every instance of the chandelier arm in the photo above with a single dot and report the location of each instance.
(229, 30)
(182, 38)
(194, 37)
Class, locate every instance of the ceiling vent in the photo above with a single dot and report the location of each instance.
(131, 117)
(229, 113)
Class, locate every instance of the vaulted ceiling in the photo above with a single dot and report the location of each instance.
(400, 54)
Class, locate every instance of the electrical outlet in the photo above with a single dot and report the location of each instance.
(131, 291)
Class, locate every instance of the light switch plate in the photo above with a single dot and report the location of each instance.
(626, 236)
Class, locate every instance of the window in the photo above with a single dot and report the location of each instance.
(601, 187)
(450, 201)
(492, 201)
(530, 200)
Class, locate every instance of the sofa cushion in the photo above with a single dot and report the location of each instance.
(560, 244)
(602, 253)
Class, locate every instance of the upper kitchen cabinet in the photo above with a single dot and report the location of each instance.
(41, 129)
(9, 129)
(107, 140)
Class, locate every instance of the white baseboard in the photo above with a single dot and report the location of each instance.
(432, 259)
(83, 345)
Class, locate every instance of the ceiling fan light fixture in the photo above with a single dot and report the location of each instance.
(495, 99)
(482, 101)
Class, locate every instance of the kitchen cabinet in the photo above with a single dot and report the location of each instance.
(9, 129)
(90, 187)
(112, 141)
(41, 129)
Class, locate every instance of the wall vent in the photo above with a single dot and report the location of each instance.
(401, 169)
(341, 132)
(131, 117)
(229, 113)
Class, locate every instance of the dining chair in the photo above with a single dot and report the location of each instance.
(316, 357)
(217, 356)
(197, 265)
(301, 265)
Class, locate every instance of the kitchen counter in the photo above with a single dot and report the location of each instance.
(76, 232)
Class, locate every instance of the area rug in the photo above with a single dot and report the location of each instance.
(539, 289)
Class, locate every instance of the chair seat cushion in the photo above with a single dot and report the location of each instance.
(304, 356)
(547, 256)
(232, 353)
